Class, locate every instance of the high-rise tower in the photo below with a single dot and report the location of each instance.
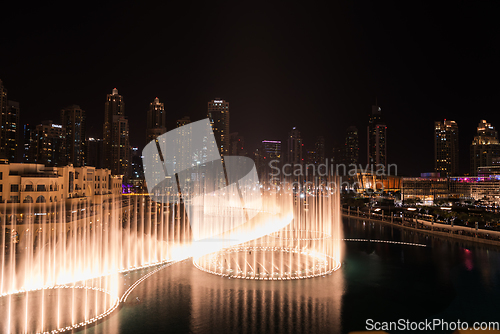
(10, 132)
(3, 96)
(446, 148)
(9, 124)
(351, 146)
(156, 125)
(295, 147)
(73, 120)
(377, 140)
(319, 147)
(50, 144)
(218, 113)
(485, 148)
(116, 135)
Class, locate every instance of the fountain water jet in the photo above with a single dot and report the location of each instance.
(63, 266)
(308, 246)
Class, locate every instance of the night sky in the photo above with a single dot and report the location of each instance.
(317, 67)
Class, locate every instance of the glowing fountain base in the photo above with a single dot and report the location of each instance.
(267, 263)
(55, 309)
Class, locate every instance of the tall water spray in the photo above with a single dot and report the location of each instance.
(65, 264)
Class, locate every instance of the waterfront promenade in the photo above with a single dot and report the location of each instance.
(443, 230)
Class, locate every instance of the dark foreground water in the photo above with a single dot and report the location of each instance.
(448, 280)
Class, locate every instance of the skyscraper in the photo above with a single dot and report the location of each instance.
(156, 125)
(73, 120)
(446, 147)
(10, 132)
(9, 123)
(319, 147)
(3, 97)
(218, 113)
(116, 145)
(28, 153)
(485, 148)
(50, 144)
(377, 140)
(137, 173)
(351, 146)
(295, 147)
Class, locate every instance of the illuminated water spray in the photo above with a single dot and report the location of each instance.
(65, 267)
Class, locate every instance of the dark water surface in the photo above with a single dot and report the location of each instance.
(449, 280)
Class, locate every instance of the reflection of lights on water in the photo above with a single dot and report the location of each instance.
(468, 260)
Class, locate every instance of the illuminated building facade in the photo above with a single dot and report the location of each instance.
(352, 146)
(295, 147)
(427, 190)
(218, 113)
(50, 140)
(485, 148)
(28, 152)
(9, 123)
(73, 120)
(36, 184)
(424, 189)
(156, 125)
(379, 183)
(446, 148)
(377, 139)
(116, 147)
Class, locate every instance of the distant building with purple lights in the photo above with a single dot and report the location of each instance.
(485, 188)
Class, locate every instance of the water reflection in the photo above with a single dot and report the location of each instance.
(447, 279)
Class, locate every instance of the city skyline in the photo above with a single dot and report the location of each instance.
(157, 119)
(335, 81)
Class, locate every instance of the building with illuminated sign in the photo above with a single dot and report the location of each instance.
(50, 141)
(429, 189)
